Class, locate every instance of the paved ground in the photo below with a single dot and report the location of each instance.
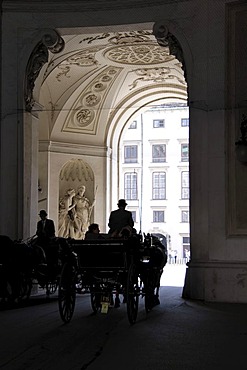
(173, 275)
(177, 334)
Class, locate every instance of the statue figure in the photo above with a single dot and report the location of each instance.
(82, 210)
(65, 222)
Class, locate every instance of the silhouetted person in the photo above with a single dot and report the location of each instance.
(45, 228)
(46, 239)
(93, 232)
(120, 220)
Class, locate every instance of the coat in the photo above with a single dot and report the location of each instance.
(119, 219)
(48, 231)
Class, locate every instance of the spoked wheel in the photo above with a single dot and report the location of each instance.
(133, 293)
(51, 287)
(52, 279)
(95, 297)
(67, 292)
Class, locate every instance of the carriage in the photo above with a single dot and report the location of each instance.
(24, 264)
(108, 268)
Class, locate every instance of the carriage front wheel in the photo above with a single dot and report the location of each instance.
(133, 293)
(67, 292)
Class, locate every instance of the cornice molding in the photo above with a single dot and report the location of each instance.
(73, 148)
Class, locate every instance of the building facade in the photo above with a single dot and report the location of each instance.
(154, 175)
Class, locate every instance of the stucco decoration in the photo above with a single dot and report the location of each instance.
(83, 117)
(157, 75)
(52, 42)
(86, 110)
(144, 54)
(76, 169)
(166, 39)
(85, 58)
(120, 38)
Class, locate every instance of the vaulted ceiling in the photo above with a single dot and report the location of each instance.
(102, 77)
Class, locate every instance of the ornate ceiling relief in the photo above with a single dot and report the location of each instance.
(89, 70)
(118, 38)
(84, 115)
(156, 75)
(167, 39)
(138, 54)
(52, 42)
(85, 58)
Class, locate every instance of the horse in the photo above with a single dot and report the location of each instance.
(15, 262)
(154, 259)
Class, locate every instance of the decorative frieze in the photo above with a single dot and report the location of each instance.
(52, 42)
(167, 39)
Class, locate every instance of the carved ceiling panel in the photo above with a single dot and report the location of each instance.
(95, 72)
(85, 113)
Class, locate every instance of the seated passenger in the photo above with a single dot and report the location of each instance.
(120, 219)
(93, 232)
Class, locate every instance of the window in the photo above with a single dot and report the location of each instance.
(158, 216)
(134, 215)
(159, 153)
(157, 123)
(130, 185)
(185, 185)
(184, 152)
(130, 154)
(159, 185)
(185, 216)
(184, 122)
(186, 247)
(133, 125)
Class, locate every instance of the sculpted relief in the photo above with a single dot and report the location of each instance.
(74, 214)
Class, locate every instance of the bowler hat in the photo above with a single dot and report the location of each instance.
(42, 212)
(122, 202)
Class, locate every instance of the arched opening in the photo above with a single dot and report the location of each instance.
(154, 173)
(217, 206)
(88, 93)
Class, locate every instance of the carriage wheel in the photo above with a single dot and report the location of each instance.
(95, 297)
(51, 287)
(67, 292)
(133, 293)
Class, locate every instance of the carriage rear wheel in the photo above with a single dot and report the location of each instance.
(67, 292)
(133, 293)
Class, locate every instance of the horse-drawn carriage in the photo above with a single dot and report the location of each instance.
(24, 264)
(107, 268)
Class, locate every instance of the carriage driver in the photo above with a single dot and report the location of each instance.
(120, 220)
(45, 229)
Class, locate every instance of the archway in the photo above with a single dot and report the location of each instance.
(90, 90)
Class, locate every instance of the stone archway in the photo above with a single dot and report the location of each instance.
(79, 118)
(101, 91)
(218, 236)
